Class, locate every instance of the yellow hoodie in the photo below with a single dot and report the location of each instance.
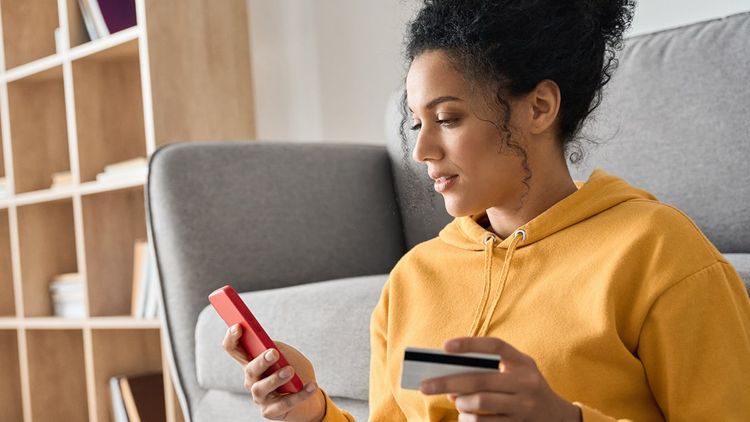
(626, 307)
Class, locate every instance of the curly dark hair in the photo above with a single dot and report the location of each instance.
(509, 46)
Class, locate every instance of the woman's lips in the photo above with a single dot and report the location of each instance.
(444, 183)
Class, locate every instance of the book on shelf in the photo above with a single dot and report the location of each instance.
(58, 40)
(138, 397)
(61, 179)
(67, 294)
(104, 17)
(88, 19)
(144, 299)
(119, 413)
(136, 168)
(3, 188)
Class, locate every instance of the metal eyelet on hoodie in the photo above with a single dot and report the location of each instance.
(523, 233)
(489, 238)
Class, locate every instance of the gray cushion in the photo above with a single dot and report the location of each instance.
(674, 121)
(220, 406)
(330, 324)
(741, 263)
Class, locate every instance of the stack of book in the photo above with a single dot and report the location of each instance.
(3, 188)
(138, 398)
(144, 303)
(67, 295)
(136, 168)
(104, 17)
(61, 179)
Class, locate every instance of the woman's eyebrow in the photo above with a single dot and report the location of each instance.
(439, 100)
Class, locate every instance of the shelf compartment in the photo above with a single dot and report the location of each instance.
(76, 25)
(7, 296)
(38, 129)
(47, 248)
(122, 352)
(28, 30)
(57, 370)
(109, 108)
(10, 382)
(112, 222)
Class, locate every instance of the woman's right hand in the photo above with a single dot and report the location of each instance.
(304, 406)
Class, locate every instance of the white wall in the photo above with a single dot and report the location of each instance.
(324, 69)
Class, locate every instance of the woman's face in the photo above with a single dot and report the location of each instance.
(458, 138)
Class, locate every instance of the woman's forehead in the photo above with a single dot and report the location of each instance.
(432, 76)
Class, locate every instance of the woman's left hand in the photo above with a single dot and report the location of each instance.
(518, 391)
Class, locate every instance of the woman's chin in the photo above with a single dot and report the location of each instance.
(457, 209)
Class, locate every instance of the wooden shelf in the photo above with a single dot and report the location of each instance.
(30, 69)
(47, 323)
(109, 47)
(44, 195)
(77, 106)
(68, 192)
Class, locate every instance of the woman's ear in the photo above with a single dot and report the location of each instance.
(545, 105)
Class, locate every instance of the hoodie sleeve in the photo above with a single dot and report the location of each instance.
(383, 405)
(695, 348)
(333, 413)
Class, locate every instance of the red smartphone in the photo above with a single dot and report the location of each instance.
(254, 339)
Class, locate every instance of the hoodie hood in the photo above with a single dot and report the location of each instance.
(599, 193)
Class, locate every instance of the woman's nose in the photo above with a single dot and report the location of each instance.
(426, 147)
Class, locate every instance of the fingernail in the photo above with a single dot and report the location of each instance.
(428, 388)
(235, 329)
(270, 355)
(310, 387)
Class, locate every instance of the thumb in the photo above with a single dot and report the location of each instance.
(490, 345)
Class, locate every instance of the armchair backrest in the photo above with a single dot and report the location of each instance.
(675, 120)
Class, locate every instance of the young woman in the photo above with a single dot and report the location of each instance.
(603, 303)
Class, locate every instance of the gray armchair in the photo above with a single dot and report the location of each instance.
(310, 231)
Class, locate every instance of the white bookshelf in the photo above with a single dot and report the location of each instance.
(79, 108)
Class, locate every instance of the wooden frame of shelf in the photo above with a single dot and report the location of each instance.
(78, 105)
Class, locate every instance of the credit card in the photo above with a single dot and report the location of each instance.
(420, 364)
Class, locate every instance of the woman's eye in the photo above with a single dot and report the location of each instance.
(441, 122)
(446, 122)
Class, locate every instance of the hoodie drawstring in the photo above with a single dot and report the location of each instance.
(489, 246)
